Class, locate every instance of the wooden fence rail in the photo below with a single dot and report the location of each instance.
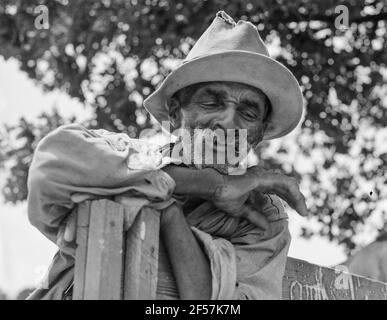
(113, 264)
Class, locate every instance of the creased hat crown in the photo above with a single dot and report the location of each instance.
(225, 34)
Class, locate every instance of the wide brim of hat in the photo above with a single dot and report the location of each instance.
(253, 69)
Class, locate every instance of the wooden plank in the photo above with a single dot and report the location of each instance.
(104, 264)
(83, 217)
(141, 258)
(306, 281)
(104, 269)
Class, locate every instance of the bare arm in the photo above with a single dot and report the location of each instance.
(200, 183)
(230, 193)
(190, 265)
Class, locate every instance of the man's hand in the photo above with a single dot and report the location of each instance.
(233, 189)
(241, 207)
(232, 193)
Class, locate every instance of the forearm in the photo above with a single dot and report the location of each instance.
(190, 265)
(200, 183)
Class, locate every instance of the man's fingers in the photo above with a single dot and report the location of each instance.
(300, 205)
(255, 217)
(291, 193)
(71, 226)
(274, 181)
(298, 199)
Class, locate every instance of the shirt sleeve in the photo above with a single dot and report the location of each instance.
(222, 258)
(261, 266)
(250, 265)
(73, 161)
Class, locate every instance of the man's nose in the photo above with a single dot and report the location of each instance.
(226, 118)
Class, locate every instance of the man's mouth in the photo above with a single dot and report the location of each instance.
(215, 147)
(223, 146)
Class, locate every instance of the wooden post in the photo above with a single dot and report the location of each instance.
(83, 217)
(109, 263)
(141, 260)
(104, 263)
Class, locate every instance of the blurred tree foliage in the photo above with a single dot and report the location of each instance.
(112, 54)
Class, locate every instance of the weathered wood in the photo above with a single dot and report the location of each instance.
(104, 266)
(141, 258)
(83, 217)
(306, 281)
(113, 265)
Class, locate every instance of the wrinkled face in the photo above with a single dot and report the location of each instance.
(224, 105)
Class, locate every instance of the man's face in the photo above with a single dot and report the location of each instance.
(223, 105)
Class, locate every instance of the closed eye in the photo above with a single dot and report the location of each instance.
(249, 115)
(209, 104)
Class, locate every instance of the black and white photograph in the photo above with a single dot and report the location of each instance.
(193, 150)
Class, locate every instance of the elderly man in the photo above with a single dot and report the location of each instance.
(223, 236)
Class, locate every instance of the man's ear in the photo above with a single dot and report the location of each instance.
(175, 112)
